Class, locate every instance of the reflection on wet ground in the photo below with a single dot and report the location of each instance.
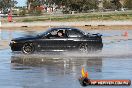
(58, 63)
(62, 70)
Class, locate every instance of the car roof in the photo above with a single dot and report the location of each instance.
(65, 28)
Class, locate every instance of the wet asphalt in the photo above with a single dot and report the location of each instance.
(62, 69)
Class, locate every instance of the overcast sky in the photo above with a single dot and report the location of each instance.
(21, 2)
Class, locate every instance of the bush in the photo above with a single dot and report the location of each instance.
(22, 13)
(65, 12)
(35, 12)
(38, 12)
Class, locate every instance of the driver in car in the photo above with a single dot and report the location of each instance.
(60, 33)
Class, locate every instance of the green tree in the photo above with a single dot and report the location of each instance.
(70, 5)
(34, 5)
(117, 4)
(108, 5)
(5, 4)
(128, 4)
(81, 5)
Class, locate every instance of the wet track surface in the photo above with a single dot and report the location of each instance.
(62, 69)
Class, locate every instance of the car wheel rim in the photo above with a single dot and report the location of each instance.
(83, 48)
(27, 48)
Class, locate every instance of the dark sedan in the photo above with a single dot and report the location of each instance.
(58, 39)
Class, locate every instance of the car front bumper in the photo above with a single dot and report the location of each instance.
(15, 46)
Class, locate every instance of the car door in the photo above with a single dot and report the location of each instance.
(75, 38)
(52, 42)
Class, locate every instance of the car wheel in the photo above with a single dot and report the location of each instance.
(28, 48)
(83, 47)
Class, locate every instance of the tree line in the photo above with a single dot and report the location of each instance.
(7, 4)
(84, 5)
(70, 5)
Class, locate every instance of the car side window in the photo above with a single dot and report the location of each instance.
(53, 33)
(60, 33)
(74, 33)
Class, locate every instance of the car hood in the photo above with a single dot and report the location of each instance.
(24, 38)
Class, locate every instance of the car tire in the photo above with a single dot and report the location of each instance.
(83, 47)
(28, 48)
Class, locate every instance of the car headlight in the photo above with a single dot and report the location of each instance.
(12, 42)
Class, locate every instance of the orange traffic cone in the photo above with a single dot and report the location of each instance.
(9, 18)
(126, 34)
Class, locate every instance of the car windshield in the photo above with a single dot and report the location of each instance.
(44, 33)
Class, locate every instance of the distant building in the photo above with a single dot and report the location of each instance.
(45, 7)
